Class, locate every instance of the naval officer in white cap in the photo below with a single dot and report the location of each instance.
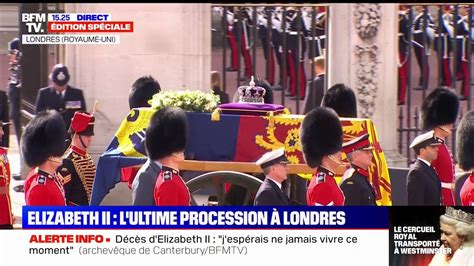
(423, 185)
(275, 167)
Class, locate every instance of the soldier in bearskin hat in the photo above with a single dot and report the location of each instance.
(6, 217)
(321, 139)
(166, 138)
(42, 146)
(342, 99)
(465, 147)
(439, 112)
(78, 169)
(142, 91)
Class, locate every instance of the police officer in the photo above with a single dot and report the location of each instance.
(78, 169)
(357, 188)
(423, 186)
(439, 112)
(321, 139)
(275, 167)
(465, 147)
(166, 138)
(42, 148)
(6, 217)
(60, 96)
(341, 99)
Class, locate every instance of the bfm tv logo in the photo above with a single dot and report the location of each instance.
(34, 22)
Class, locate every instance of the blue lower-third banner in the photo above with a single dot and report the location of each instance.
(131, 217)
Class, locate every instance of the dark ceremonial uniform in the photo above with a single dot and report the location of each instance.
(357, 188)
(444, 167)
(6, 217)
(67, 105)
(467, 191)
(445, 48)
(44, 189)
(403, 45)
(323, 189)
(320, 33)
(462, 56)
(269, 194)
(77, 173)
(267, 45)
(423, 186)
(421, 48)
(14, 90)
(233, 34)
(170, 189)
(295, 52)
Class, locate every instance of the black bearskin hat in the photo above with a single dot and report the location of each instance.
(342, 99)
(167, 133)
(440, 107)
(321, 134)
(44, 136)
(465, 142)
(142, 91)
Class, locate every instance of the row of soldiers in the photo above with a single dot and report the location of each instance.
(273, 30)
(426, 35)
(297, 31)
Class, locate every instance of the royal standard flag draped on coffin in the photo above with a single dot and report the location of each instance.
(234, 138)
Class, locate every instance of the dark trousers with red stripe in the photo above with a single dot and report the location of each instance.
(464, 75)
(425, 73)
(235, 53)
(446, 78)
(402, 78)
(293, 61)
(270, 61)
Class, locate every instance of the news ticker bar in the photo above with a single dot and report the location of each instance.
(45, 28)
(153, 217)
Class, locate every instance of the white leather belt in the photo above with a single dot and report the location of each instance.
(447, 185)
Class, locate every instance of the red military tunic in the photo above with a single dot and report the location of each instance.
(323, 189)
(44, 189)
(467, 191)
(445, 169)
(170, 189)
(6, 217)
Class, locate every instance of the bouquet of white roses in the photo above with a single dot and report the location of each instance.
(193, 101)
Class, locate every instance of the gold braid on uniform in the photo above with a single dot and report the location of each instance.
(85, 168)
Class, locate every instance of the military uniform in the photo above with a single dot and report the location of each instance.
(78, 169)
(440, 108)
(267, 45)
(467, 191)
(323, 190)
(44, 189)
(357, 188)
(295, 52)
(422, 48)
(444, 167)
(170, 189)
(233, 29)
(403, 64)
(6, 217)
(77, 173)
(443, 44)
(462, 55)
(319, 40)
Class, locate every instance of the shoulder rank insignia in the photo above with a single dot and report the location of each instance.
(349, 183)
(321, 177)
(167, 175)
(41, 179)
(64, 175)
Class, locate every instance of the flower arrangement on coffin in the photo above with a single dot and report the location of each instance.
(193, 101)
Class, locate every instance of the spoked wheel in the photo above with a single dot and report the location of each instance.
(217, 181)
